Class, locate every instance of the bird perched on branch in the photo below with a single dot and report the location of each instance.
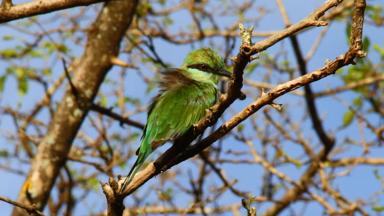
(185, 95)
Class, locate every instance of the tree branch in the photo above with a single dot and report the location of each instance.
(30, 209)
(355, 161)
(123, 120)
(310, 21)
(183, 211)
(11, 12)
(349, 86)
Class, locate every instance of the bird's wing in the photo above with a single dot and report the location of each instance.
(181, 103)
(171, 78)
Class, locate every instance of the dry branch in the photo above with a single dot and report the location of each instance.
(12, 12)
(27, 208)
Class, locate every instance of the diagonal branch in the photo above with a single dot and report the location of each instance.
(312, 20)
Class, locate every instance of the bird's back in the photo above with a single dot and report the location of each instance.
(176, 110)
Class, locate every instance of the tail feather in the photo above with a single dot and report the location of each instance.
(135, 168)
(143, 152)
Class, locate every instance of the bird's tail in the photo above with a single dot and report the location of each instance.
(135, 168)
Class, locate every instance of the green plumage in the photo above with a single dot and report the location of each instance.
(186, 93)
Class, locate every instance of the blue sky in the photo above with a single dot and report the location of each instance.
(357, 185)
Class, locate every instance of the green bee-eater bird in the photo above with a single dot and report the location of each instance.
(185, 95)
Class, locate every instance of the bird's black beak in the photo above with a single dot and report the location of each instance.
(223, 72)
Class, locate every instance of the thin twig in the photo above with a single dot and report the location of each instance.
(109, 112)
(30, 209)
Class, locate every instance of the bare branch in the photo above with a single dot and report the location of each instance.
(30, 209)
(349, 86)
(355, 161)
(123, 120)
(32, 8)
(191, 210)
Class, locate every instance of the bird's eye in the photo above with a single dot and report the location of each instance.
(203, 67)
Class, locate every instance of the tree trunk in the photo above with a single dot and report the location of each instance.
(104, 39)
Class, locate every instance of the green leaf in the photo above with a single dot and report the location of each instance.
(19, 71)
(103, 100)
(36, 54)
(23, 86)
(47, 71)
(94, 184)
(377, 174)
(52, 47)
(2, 82)
(62, 48)
(240, 127)
(7, 37)
(348, 118)
(379, 50)
(143, 9)
(340, 71)
(297, 163)
(358, 102)
(4, 153)
(9, 53)
(375, 13)
(366, 44)
(378, 208)
(167, 21)
(356, 72)
(131, 100)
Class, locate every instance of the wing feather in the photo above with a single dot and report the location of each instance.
(181, 103)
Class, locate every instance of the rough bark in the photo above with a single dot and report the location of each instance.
(103, 43)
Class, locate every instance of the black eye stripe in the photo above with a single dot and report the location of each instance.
(203, 67)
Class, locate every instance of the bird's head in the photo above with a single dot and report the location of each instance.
(204, 63)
